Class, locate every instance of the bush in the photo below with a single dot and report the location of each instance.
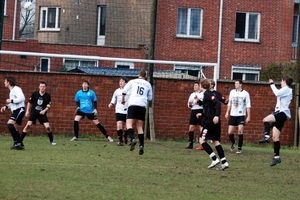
(275, 71)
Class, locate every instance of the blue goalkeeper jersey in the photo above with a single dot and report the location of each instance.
(86, 100)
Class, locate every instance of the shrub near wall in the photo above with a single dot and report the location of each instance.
(171, 114)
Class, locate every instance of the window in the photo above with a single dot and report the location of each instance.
(4, 7)
(50, 19)
(101, 25)
(247, 27)
(45, 65)
(124, 65)
(72, 64)
(295, 30)
(192, 70)
(244, 72)
(189, 22)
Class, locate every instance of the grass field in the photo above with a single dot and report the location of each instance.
(93, 168)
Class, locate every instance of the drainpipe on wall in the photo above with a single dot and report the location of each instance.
(15, 21)
(217, 70)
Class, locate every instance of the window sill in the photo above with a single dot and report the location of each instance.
(247, 41)
(189, 37)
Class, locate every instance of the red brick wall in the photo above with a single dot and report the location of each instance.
(276, 25)
(171, 114)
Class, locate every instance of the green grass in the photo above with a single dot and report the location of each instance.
(93, 168)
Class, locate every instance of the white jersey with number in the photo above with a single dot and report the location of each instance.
(195, 105)
(117, 99)
(239, 101)
(284, 98)
(16, 94)
(139, 91)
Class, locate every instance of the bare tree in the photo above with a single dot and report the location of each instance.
(27, 19)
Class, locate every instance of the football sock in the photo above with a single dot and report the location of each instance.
(267, 128)
(14, 133)
(102, 129)
(23, 135)
(207, 148)
(276, 148)
(125, 134)
(141, 139)
(120, 132)
(131, 134)
(76, 128)
(50, 135)
(220, 151)
(231, 137)
(240, 142)
(191, 137)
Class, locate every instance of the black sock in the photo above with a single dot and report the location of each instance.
(267, 128)
(240, 142)
(23, 135)
(14, 133)
(131, 134)
(191, 137)
(125, 134)
(220, 152)
(50, 135)
(276, 148)
(208, 149)
(119, 133)
(76, 128)
(141, 139)
(231, 137)
(102, 129)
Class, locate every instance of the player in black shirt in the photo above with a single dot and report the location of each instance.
(210, 124)
(37, 107)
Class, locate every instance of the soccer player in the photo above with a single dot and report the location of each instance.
(16, 104)
(239, 110)
(210, 127)
(37, 109)
(120, 111)
(86, 102)
(277, 119)
(140, 92)
(195, 109)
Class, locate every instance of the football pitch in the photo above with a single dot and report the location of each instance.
(93, 168)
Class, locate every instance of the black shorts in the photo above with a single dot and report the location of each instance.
(17, 115)
(121, 117)
(136, 112)
(42, 118)
(90, 116)
(235, 121)
(280, 118)
(213, 131)
(193, 119)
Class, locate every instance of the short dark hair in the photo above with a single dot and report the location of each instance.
(143, 73)
(11, 80)
(43, 82)
(86, 81)
(239, 80)
(124, 78)
(288, 79)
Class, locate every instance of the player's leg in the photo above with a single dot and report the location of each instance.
(26, 129)
(101, 128)
(240, 138)
(49, 132)
(268, 120)
(275, 137)
(76, 127)
(139, 127)
(231, 136)
(191, 136)
(120, 132)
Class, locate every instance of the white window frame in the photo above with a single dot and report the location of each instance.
(45, 58)
(57, 19)
(295, 30)
(246, 39)
(79, 62)
(246, 69)
(130, 64)
(187, 68)
(100, 38)
(5, 7)
(188, 25)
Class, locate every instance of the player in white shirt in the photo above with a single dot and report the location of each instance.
(140, 92)
(120, 111)
(195, 109)
(239, 111)
(16, 103)
(282, 113)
